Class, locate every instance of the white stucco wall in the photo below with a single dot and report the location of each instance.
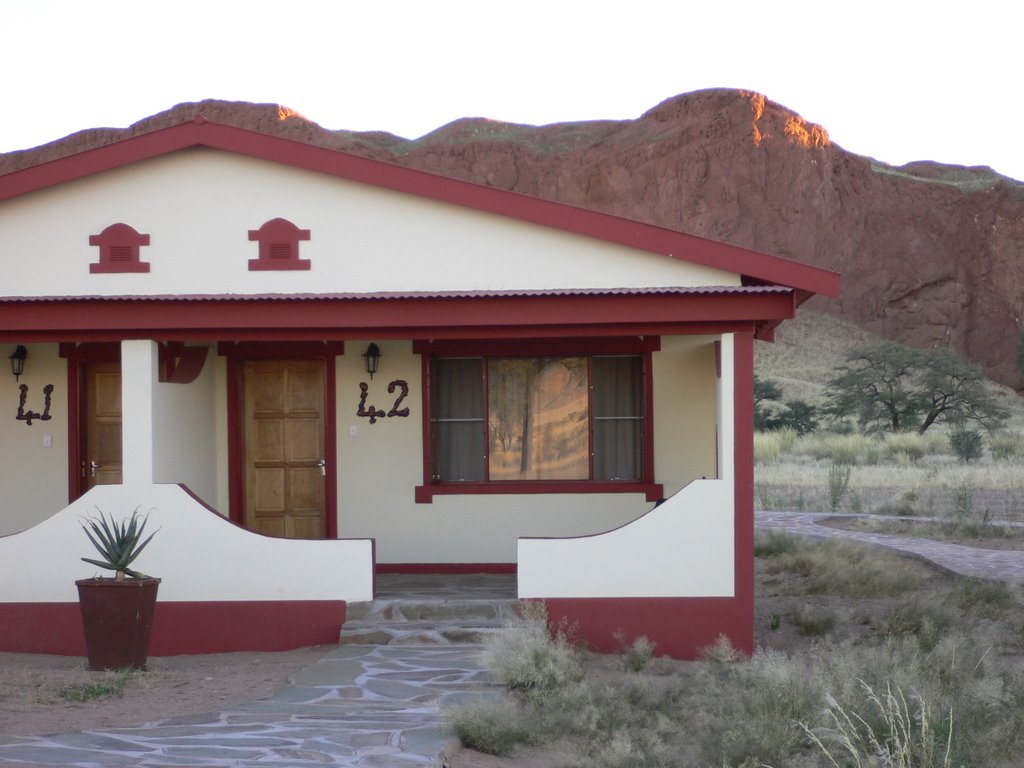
(685, 411)
(33, 458)
(380, 467)
(185, 426)
(197, 554)
(198, 206)
(683, 548)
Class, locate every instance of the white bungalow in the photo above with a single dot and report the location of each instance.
(559, 393)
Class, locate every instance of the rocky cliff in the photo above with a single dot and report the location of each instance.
(931, 255)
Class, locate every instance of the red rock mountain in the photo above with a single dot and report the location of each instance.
(931, 255)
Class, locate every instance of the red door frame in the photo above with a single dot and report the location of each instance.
(78, 355)
(238, 353)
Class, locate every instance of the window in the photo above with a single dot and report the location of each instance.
(119, 250)
(542, 423)
(279, 246)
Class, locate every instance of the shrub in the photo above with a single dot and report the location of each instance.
(838, 483)
(797, 415)
(753, 710)
(906, 447)
(769, 446)
(1005, 445)
(843, 449)
(774, 541)
(812, 622)
(988, 599)
(525, 655)
(848, 569)
(492, 727)
(636, 655)
(967, 444)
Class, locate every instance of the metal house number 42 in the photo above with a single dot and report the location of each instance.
(373, 413)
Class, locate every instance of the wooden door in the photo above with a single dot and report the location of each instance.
(284, 462)
(101, 425)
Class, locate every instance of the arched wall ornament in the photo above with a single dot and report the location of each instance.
(29, 416)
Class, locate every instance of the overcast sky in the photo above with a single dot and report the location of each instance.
(899, 80)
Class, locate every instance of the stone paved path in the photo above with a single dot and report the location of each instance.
(1000, 565)
(365, 706)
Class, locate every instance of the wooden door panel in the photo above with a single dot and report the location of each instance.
(101, 424)
(268, 498)
(304, 440)
(305, 392)
(304, 487)
(284, 430)
(268, 443)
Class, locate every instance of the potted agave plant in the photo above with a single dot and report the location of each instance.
(117, 611)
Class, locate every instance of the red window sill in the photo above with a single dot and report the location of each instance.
(425, 493)
(103, 268)
(260, 265)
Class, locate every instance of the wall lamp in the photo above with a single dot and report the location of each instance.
(18, 361)
(372, 359)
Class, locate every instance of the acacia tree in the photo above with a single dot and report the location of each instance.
(892, 387)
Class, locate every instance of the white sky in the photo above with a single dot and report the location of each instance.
(898, 80)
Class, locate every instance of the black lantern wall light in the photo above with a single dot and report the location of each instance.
(17, 359)
(372, 359)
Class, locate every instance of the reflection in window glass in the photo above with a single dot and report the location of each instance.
(538, 418)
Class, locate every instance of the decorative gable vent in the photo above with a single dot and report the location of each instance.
(119, 250)
(279, 246)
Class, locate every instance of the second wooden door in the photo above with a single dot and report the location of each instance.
(284, 460)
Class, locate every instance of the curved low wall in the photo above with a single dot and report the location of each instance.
(223, 588)
(684, 547)
(669, 576)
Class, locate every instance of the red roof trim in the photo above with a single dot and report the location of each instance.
(202, 133)
(433, 318)
(702, 290)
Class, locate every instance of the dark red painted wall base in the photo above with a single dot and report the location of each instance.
(679, 626)
(181, 627)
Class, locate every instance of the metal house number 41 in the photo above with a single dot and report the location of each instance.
(373, 413)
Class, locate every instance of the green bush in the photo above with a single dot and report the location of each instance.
(813, 622)
(838, 483)
(848, 569)
(496, 728)
(967, 444)
(774, 541)
(527, 656)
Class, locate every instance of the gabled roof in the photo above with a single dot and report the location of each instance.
(756, 268)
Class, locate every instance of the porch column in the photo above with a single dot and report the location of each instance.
(139, 369)
(726, 407)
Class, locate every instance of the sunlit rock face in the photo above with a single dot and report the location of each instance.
(931, 255)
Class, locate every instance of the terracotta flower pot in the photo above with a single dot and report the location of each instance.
(117, 617)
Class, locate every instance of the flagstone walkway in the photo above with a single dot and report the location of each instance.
(996, 564)
(360, 705)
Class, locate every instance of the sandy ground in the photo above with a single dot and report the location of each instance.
(35, 688)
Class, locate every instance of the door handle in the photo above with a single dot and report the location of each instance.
(93, 466)
(323, 467)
